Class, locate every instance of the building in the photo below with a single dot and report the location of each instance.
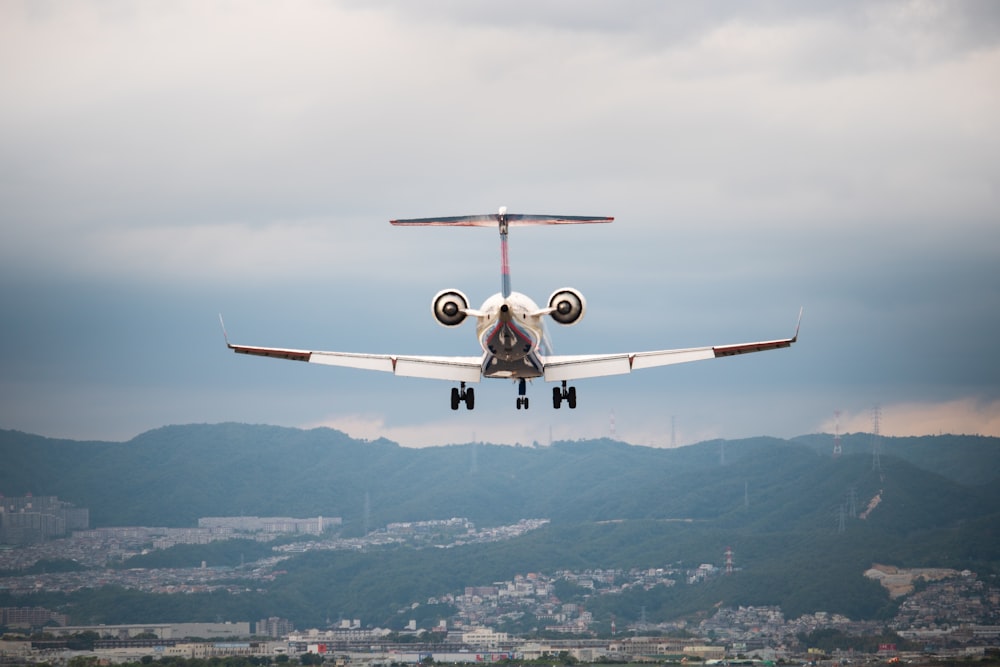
(237, 630)
(274, 627)
(486, 638)
(269, 524)
(28, 519)
(30, 617)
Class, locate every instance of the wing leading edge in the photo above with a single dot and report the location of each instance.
(456, 369)
(576, 367)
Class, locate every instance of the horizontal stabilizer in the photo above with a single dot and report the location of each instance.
(492, 219)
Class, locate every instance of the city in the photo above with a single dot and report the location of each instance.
(946, 612)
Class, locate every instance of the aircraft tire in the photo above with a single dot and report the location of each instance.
(454, 398)
(571, 398)
(556, 397)
(470, 398)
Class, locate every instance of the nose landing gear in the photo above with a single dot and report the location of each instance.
(560, 394)
(522, 390)
(460, 395)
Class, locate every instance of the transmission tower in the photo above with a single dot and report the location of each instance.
(840, 519)
(876, 439)
(729, 560)
(837, 450)
(368, 512)
(614, 431)
(852, 502)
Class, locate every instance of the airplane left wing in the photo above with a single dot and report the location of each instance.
(456, 369)
(575, 367)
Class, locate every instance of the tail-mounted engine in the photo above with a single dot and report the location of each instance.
(568, 306)
(449, 307)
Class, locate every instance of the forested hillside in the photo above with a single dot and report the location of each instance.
(174, 475)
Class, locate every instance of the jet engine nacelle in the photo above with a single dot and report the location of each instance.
(449, 307)
(568, 306)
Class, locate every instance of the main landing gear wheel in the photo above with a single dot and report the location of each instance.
(559, 394)
(522, 401)
(460, 395)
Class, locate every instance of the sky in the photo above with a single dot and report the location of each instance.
(165, 162)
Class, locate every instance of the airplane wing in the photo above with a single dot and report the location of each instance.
(456, 369)
(575, 367)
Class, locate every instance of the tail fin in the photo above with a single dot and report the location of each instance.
(502, 220)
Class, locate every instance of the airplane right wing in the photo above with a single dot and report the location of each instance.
(575, 367)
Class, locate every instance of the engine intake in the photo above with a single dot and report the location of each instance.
(449, 307)
(568, 306)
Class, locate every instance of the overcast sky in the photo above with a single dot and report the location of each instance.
(162, 162)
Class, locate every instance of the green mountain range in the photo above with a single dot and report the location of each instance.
(790, 511)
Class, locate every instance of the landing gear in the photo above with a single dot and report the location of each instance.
(461, 394)
(559, 394)
(522, 390)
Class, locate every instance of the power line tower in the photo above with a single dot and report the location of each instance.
(729, 561)
(852, 502)
(614, 430)
(840, 519)
(876, 439)
(367, 513)
(837, 449)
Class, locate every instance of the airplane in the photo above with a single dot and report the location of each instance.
(511, 332)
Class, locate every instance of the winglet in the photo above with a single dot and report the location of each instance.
(224, 334)
(797, 324)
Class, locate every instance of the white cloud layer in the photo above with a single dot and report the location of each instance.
(967, 416)
(164, 161)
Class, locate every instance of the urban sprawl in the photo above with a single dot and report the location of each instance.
(950, 613)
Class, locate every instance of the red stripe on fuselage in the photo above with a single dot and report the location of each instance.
(504, 267)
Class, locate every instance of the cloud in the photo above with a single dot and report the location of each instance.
(162, 162)
(966, 416)
(437, 433)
